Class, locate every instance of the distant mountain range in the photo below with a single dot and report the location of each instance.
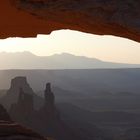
(27, 60)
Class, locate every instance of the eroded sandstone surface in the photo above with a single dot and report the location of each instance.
(27, 18)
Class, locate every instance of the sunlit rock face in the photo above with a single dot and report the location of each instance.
(28, 18)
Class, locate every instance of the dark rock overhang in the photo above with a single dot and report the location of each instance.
(27, 18)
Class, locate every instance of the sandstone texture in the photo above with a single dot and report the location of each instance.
(27, 18)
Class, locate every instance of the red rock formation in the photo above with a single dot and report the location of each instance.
(27, 18)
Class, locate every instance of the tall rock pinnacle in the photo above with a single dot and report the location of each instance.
(49, 96)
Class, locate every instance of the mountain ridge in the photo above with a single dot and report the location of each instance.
(28, 60)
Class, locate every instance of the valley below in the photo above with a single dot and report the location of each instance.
(90, 104)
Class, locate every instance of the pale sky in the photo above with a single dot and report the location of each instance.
(106, 48)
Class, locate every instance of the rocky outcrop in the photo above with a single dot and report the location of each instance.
(10, 130)
(23, 108)
(103, 17)
(14, 131)
(17, 83)
(49, 116)
(4, 114)
(45, 120)
(49, 97)
(12, 95)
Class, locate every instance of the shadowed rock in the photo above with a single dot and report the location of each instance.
(49, 115)
(103, 17)
(49, 97)
(12, 96)
(17, 83)
(10, 130)
(14, 131)
(46, 120)
(23, 108)
(4, 114)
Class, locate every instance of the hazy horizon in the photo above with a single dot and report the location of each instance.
(105, 48)
(58, 54)
(28, 60)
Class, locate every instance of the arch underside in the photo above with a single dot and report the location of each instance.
(27, 18)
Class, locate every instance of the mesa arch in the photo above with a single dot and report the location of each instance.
(27, 18)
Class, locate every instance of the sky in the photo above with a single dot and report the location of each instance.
(106, 48)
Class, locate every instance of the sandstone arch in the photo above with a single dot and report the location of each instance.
(27, 18)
